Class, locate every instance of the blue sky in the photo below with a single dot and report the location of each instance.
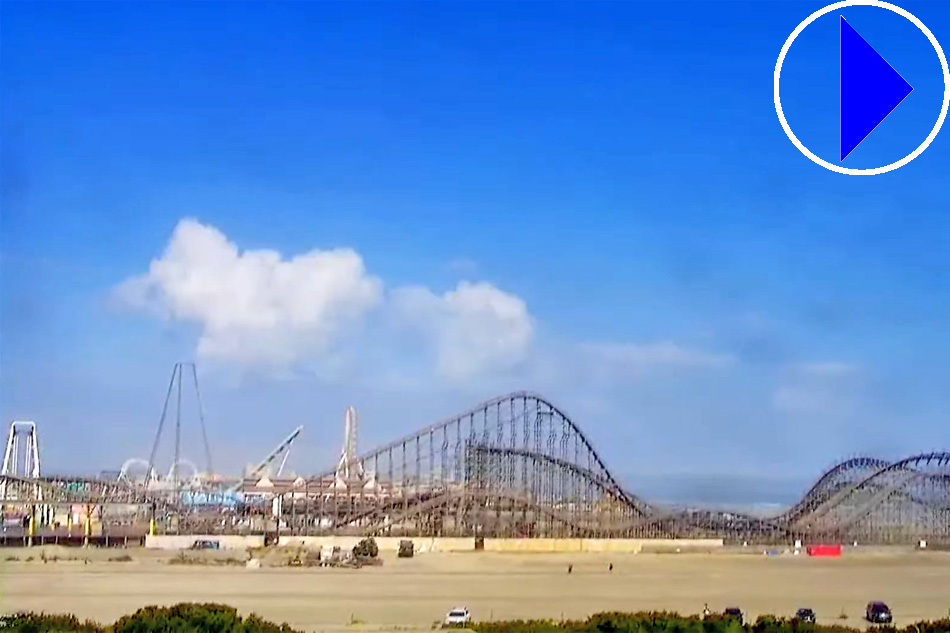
(634, 235)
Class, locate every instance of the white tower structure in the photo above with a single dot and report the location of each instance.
(22, 457)
(349, 466)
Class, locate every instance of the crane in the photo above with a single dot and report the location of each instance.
(283, 447)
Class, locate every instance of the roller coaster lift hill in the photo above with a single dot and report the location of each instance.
(514, 466)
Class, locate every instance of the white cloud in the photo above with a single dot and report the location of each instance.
(827, 369)
(819, 388)
(462, 266)
(265, 309)
(476, 327)
(813, 400)
(798, 399)
(643, 356)
(255, 306)
(258, 307)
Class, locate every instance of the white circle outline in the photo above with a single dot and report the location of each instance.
(946, 85)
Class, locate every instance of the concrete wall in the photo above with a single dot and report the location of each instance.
(533, 545)
(391, 544)
(660, 546)
(185, 541)
(632, 546)
(385, 543)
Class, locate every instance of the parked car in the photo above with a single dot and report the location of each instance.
(733, 612)
(459, 616)
(805, 615)
(878, 613)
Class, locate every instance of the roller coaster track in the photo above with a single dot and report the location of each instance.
(520, 459)
(912, 485)
(518, 465)
(70, 491)
(839, 476)
(499, 501)
(608, 485)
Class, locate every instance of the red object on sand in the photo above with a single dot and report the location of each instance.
(824, 550)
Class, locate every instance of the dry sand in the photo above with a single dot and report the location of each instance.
(414, 593)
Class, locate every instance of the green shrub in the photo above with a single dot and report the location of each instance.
(180, 618)
(212, 618)
(192, 617)
(217, 618)
(937, 626)
(43, 623)
(662, 622)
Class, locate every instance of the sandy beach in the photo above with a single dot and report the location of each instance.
(415, 593)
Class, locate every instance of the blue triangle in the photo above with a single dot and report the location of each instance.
(870, 89)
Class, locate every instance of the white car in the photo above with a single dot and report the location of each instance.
(458, 616)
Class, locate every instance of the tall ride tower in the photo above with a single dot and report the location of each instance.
(349, 466)
(22, 457)
(173, 399)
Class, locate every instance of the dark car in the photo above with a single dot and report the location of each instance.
(805, 615)
(733, 612)
(878, 613)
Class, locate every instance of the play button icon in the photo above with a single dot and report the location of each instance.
(870, 89)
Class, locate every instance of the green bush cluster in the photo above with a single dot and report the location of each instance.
(41, 623)
(216, 618)
(663, 622)
(180, 618)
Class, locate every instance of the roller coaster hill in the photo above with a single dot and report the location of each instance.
(514, 466)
